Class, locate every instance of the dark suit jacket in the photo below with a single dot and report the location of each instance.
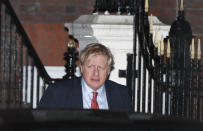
(68, 94)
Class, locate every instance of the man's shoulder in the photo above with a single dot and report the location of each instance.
(66, 83)
(114, 84)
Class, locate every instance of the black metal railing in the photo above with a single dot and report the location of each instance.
(164, 85)
(23, 77)
(115, 6)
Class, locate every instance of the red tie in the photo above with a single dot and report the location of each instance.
(94, 104)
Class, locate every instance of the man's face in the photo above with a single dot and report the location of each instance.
(95, 71)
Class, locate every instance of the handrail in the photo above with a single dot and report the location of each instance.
(175, 90)
(42, 71)
(23, 77)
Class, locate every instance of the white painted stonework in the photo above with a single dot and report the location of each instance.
(114, 31)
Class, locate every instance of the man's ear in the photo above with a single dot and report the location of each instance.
(81, 68)
(109, 71)
(108, 74)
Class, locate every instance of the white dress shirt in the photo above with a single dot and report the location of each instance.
(87, 95)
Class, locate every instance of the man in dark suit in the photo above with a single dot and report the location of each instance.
(93, 90)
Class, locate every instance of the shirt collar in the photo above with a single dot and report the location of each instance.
(89, 90)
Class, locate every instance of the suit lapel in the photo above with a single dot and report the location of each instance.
(110, 96)
(77, 94)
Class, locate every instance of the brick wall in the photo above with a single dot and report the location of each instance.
(43, 20)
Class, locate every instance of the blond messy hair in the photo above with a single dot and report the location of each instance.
(96, 49)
